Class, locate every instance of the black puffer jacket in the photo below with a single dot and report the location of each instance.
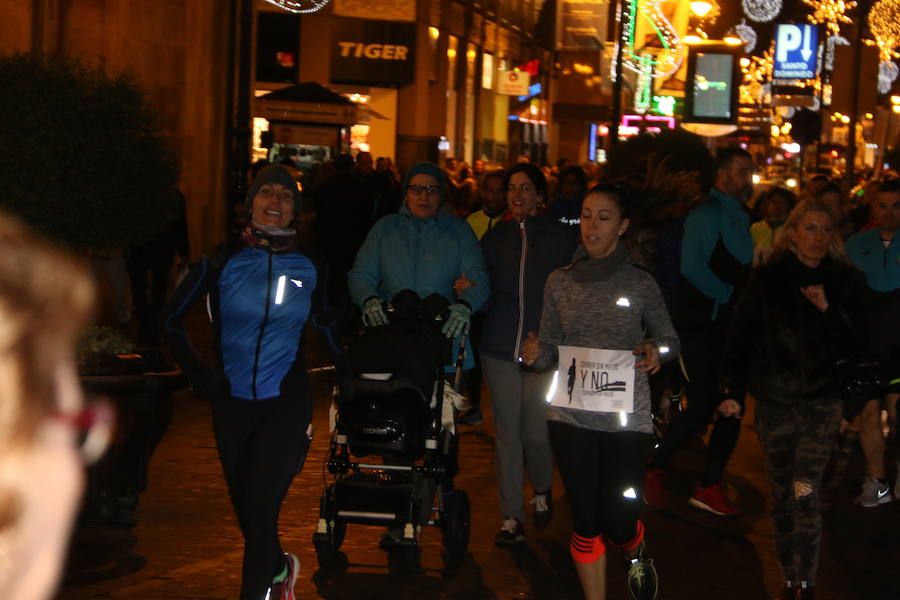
(519, 256)
(781, 348)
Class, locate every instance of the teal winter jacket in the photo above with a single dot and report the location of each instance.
(427, 256)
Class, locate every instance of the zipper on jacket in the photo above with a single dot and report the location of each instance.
(262, 327)
(521, 289)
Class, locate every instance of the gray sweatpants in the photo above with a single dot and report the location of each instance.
(519, 402)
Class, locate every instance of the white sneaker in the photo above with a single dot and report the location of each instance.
(874, 493)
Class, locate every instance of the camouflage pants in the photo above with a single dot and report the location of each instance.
(798, 442)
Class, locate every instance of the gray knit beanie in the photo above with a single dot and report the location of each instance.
(275, 174)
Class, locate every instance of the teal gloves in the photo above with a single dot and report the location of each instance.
(373, 313)
(457, 321)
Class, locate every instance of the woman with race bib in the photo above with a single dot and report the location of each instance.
(594, 309)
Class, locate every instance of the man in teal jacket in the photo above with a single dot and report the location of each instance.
(876, 252)
(716, 252)
(422, 250)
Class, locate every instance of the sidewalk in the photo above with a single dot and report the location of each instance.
(187, 546)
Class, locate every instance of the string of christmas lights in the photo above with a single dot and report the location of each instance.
(668, 60)
(831, 13)
(884, 22)
(300, 6)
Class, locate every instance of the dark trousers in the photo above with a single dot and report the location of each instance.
(798, 442)
(262, 445)
(701, 351)
(603, 473)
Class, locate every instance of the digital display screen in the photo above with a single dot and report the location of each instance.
(712, 94)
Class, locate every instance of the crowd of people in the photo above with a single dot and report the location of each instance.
(750, 298)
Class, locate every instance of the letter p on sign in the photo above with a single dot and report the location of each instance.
(789, 39)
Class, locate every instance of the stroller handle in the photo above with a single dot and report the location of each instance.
(460, 359)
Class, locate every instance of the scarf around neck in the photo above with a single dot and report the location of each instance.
(274, 239)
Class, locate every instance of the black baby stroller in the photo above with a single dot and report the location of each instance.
(390, 403)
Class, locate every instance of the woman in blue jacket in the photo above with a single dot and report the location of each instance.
(423, 250)
(260, 294)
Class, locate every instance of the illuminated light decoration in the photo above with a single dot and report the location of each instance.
(884, 22)
(626, 122)
(664, 105)
(761, 11)
(670, 57)
(830, 13)
(630, 494)
(644, 87)
(747, 34)
(300, 6)
(833, 40)
(887, 73)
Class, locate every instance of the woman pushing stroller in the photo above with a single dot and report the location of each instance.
(603, 303)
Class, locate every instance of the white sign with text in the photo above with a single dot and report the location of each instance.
(595, 379)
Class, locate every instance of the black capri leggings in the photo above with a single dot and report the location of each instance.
(603, 473)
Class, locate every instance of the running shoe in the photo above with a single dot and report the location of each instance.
(713, 499)
(512, 532)
(789, 591)
(805, 592)
(543, 508)
(643, 582)
(284, 590)
(655, 488)
(874, 493)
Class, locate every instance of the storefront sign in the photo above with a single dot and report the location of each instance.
(305, 135)
(376, 53)
(796, 45)
(513, 83)
(581, 24)
(308, 112)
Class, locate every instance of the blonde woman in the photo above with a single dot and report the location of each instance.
(46, 297)
(798, 315)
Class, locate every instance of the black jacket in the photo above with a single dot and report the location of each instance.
(518, 273)
(780, 347)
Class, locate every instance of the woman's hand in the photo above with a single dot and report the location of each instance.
(729, 408)
(650, 362)
(816, 295)
(531, 348)
(462, 284)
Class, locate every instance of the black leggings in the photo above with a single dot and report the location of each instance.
(603, 473)
(262, 445)
(700, 351)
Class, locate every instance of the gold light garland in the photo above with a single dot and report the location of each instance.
(830, 12)
(884, 22)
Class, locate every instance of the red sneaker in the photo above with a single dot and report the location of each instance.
(714, 499)
(285, 589)
(655, 488)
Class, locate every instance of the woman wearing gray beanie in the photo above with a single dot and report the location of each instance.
(260, 294)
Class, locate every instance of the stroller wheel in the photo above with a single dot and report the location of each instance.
(329, 544)
(456, 523)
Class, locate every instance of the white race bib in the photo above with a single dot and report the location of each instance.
(595, 379)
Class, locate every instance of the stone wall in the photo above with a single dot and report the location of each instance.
(177, 52)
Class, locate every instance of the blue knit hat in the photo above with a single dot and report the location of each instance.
(427, 168)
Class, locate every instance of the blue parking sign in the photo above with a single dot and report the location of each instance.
(796, 49)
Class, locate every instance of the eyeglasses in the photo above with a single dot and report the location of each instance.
(525, 187)
(418, 190)
(95, 424)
